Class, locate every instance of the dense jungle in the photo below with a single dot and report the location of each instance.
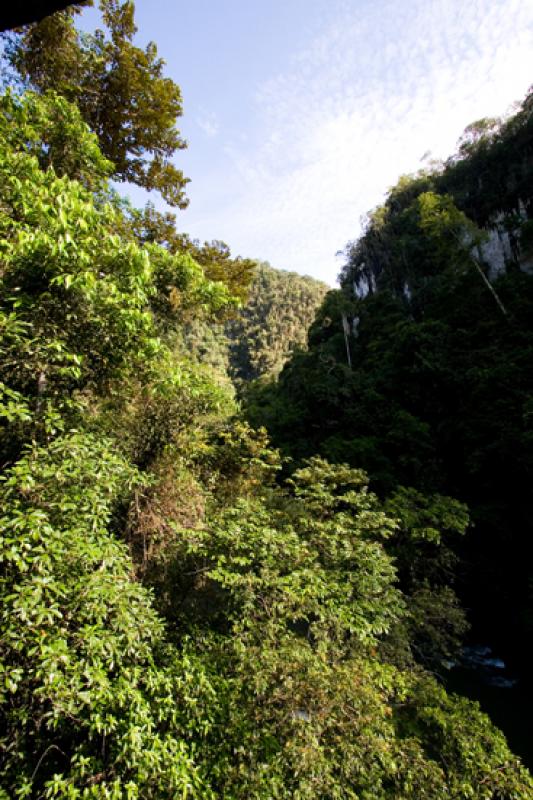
(256, 535)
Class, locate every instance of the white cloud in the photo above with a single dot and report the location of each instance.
(378, 87)
(208, 124)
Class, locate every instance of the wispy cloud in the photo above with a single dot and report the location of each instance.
(381, 84)
(208, 124)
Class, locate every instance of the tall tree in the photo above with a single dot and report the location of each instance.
(119, 88)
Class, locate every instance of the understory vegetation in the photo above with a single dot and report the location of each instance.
(186, 612)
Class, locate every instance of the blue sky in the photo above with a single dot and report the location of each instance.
(301, 113)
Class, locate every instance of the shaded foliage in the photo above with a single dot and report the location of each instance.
(438, 396)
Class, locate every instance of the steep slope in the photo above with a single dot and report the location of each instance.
(436, 308)
(257, 340)
(280, 308)
(488, 180)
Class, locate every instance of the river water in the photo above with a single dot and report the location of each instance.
(482, 675)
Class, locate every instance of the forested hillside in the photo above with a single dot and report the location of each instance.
(183, 613)
(255, 339)
(279, 309)
(437, 303)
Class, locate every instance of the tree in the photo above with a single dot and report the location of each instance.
(150, 225)
(88, 706)
(119, 88)
(297, 591)
(80, 306)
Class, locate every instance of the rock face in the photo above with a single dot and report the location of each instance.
(364, 283)
(496, 252)
(490, 183)
(30, 11)
(502, 248)
(500, 252)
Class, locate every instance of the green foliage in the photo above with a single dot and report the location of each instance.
(437, 399)
(491, 171)
(426, 563)
(438, 393)
(257, 339)
(149, 225)
(274, 321)
(119, 88)
(218, 265)
(311, 562)
(170, 404)
(297, 589)
(473, 756)
(50, 128)
(96, 705)
(90, 691)
(80, 305)
(87, 711)
(176, 619)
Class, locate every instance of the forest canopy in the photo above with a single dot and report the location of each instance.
(185, 613)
